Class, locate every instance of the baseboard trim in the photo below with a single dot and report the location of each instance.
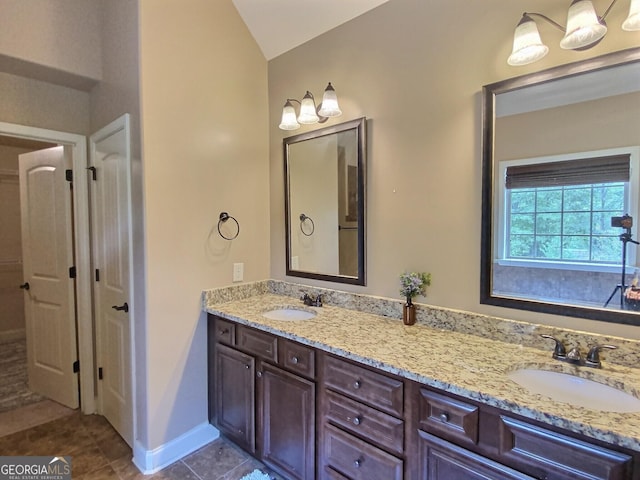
(152, 461)
(9, 336)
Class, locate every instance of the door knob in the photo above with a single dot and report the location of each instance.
(121, 308)
(25, 286)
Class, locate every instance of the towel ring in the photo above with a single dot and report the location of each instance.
(303, 218)
(224, 216)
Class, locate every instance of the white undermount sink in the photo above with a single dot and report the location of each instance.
(576, 391)
(289, 314)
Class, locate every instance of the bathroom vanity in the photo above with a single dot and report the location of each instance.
(351, 395)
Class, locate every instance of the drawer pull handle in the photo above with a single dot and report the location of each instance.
(357, 420)
(357, 384)
(294, 360)
(358, 462)
(224, 331)
(444, 417)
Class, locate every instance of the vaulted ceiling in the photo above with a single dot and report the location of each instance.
(280, 25)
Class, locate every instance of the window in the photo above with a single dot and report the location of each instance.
(565, 223)
(558, 212)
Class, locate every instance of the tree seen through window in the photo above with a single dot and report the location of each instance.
(565, 223)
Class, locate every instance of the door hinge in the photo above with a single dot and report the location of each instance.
(100, 373)
(68, 175)
(97, 275)
(72, 272)
(76, 366)
(94, 173)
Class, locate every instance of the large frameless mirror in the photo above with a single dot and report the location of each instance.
(561, 184)
(325, 203)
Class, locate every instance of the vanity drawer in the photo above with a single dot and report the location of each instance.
(547, 454)
(330, 474)
(256, 342)
(364, 385)
(448, 417)
(357, 459)
(297, 358)
(225, 331)
(367, 422)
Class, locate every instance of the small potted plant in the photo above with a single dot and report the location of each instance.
(411, 285)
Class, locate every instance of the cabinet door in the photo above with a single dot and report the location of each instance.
(287, 422)
(235, 396)
(441, 460)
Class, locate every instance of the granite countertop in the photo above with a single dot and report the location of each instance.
(471, 366)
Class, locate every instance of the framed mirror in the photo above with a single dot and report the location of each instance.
(560, 195)
(325, 203)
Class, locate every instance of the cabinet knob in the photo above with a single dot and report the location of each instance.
(247, 366)
(357, 384)
(223, 331)
(357, 420)
(444, 417)
(294, 360)
(259, 374)
(358, 463)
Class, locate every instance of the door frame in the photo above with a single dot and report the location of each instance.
(82, 250)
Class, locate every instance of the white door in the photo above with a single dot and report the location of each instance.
(111, 212)
(47, 249)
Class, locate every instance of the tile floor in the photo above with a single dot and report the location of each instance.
(98, 452)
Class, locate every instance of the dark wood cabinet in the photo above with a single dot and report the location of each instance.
(362, 426)
(235, 396)
(374, 425)
(441, 460)
(453, 437)
(287, 422)
(259, 397)
(554, 456)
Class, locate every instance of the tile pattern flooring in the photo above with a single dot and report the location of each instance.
(98, 453)
(14, 391)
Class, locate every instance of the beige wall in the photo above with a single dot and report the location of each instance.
(416, 69)
(52, 40)
(40, 104)
(561, 130)
(205, 144)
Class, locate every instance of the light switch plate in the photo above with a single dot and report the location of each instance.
(238, 272)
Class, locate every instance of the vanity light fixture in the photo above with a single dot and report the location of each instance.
(309, 114)
(584, 30)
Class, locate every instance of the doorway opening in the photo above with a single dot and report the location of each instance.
(14, 387)
(29, 138)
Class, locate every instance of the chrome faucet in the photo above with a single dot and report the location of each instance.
(575, 355)
(310, 301)
(593, 357)
(559, 352)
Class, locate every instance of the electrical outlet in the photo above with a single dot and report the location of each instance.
(238, 272)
